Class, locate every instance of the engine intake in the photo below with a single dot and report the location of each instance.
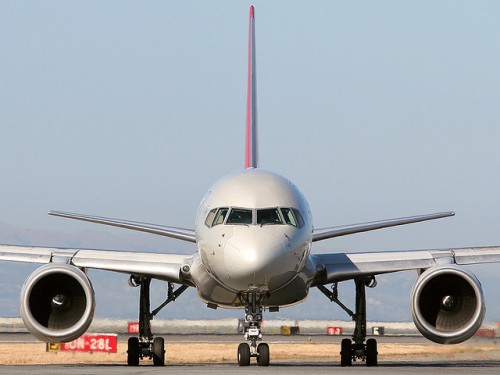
(447, 304)
(57, 303)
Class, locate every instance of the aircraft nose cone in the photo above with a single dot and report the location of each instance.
(251, 260)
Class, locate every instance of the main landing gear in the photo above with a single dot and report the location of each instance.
(147, 346)
(352, 350)
(253, 319)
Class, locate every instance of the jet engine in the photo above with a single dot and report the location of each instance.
(447, 304)
(57, 303)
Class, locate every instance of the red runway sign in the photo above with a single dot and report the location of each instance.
(333, 330)
(92, 343)
(133, 327)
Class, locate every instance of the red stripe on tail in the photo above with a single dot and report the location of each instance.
(251, 159)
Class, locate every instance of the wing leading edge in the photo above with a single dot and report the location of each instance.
(325, 233)
(173, 232)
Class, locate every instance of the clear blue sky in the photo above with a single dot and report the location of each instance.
(374, 109)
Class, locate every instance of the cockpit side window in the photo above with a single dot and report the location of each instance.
(298, 216)
(239, 216)
(220, 216)
(288, 215)
(210, 218)
(293, 217)
(269, 216)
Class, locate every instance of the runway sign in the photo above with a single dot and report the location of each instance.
(333, 330)
(53, 347)
(378, 331)
(287, 330)
(133, 327)
(106, 343)
(485, 332)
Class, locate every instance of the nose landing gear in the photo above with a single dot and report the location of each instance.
(253, 319)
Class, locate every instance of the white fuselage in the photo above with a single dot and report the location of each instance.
(254, 233)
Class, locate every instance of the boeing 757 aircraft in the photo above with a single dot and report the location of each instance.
(253, 236)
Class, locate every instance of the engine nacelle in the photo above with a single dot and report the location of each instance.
(57, 303)
(447, 304)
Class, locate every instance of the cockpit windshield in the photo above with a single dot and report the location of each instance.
(269, 216)
(264, 216)
(239, 216)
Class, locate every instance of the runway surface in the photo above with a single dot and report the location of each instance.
(466, 367)
(6, 337)
(201, 338)
(413, 366)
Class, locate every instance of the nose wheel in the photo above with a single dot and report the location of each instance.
(252, 333)
(263, 355)
(243, 354)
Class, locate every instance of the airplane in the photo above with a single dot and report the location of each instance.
(253, 236)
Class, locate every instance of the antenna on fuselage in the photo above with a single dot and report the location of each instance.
(251, 152)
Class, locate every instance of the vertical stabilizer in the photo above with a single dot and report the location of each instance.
(251, 152)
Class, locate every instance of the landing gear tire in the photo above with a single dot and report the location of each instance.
(159, 351)
(133, 351)
(243, 355)
(371, 352)
(346, 353)
(263, 355)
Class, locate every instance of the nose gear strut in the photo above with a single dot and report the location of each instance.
(354, 349)
(252, 332)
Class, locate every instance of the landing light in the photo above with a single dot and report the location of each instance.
(250, 255)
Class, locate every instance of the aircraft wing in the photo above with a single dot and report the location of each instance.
(173, 232)
(156, 265)
(345, 266)
(325, 233)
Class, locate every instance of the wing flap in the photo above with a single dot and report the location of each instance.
(26, 254)
(342, 266)
(345, 266)
(159, 266)
(477, 255)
